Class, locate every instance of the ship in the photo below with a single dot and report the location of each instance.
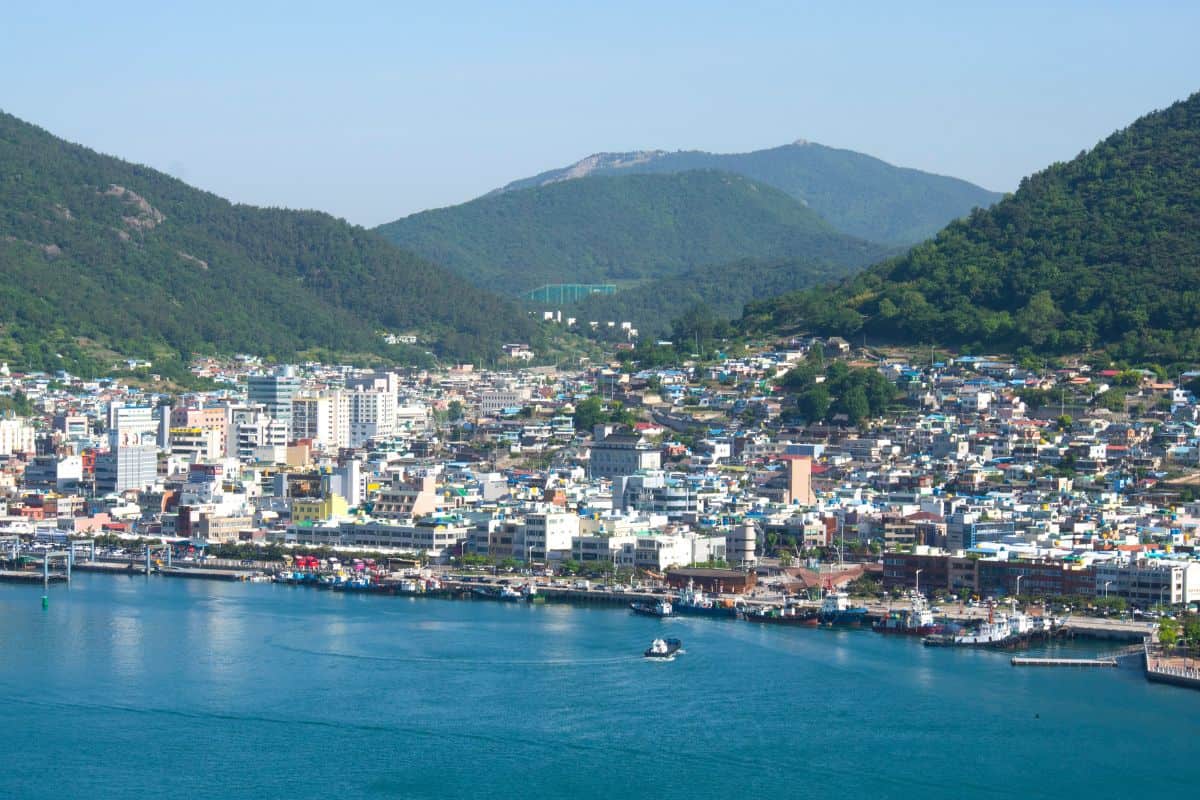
(689, 602)
(663, 649)
(783, 615)
(836, 612)
(1003, 630)
(662, 608)
(916, 620)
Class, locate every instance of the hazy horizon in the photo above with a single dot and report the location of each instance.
(371, 113)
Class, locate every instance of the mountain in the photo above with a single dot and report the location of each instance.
(131, 259)
(855, 193)
(723, 289)
(1100, 251)
(627, 228)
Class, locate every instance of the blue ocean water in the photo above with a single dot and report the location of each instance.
(133, 687)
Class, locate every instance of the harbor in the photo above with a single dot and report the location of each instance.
(297, 673)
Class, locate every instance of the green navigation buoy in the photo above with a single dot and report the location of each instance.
(45, 601)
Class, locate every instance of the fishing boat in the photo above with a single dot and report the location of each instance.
(661, 608)
(510, 594)
(663, 648)
(916, 620)
(836, 612)
(690, 602)
(783, 615)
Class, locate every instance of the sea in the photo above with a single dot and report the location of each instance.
(154, 687)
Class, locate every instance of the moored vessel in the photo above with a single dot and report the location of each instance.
(661, 608)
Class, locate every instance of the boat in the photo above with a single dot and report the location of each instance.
(510, 594)
(661, 608)
(689, 602)
(836, 612)
(916, 620)
(998, 630)
(663, 648)
(782, 615)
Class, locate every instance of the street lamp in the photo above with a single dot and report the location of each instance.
(917, 582)
(1019, 585)
(1106, 585)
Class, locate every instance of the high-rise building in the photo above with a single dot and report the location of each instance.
(274, 392)
(372, 415)
(131, 426)
(324, 418)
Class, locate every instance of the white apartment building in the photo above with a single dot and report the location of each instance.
(324, 418)
(1147, 582)
(16, 436)
(545, 535)
(372, 415)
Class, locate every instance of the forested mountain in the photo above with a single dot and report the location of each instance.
(621, 229)
(1101, 251)
(855, 193)
(92, 246)
(723, 289)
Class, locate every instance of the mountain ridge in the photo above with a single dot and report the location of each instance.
(1102, 251)
(858, 194)
(621, 228)
(96, 247)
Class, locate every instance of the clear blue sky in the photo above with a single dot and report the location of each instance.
(373, 110)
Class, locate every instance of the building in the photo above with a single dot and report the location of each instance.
(322, 418)
(16, 437)
(545, 535)
(131, 426)
(133, 467)
(318, 509)
(1147, 582)
(275, 391)
(372, 415)
(656, 493)
(621, 453)
(716, 581)
(407, 498)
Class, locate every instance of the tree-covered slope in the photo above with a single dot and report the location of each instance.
(614, 229)
(92, 246)
(857, 194)
(1103, 250)
(723, 289)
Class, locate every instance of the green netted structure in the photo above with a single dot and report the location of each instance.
(563, 293)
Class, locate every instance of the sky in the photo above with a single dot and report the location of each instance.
(375, 110)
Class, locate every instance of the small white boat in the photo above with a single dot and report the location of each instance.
(663, 648)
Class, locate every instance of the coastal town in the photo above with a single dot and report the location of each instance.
(980, 481)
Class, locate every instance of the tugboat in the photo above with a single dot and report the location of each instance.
(1001, 630)
(662, 608)
(836, 612)
(916, 620)
(663, 649)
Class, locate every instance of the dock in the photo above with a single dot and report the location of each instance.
(1022, 661)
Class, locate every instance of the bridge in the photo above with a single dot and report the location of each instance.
(566, 293)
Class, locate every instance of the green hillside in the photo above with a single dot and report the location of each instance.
(857, 194)
(134, 260)
(1101, 251)
(620, 229)
(724, 289)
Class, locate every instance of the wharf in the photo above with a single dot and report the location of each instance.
(132, 568)
(28, 576)
(1021, 661)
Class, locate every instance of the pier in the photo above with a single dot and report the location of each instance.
(1022, 661)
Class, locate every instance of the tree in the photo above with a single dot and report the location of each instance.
(813, 405)
(854, 405)
(454, 411)
(589, 413)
